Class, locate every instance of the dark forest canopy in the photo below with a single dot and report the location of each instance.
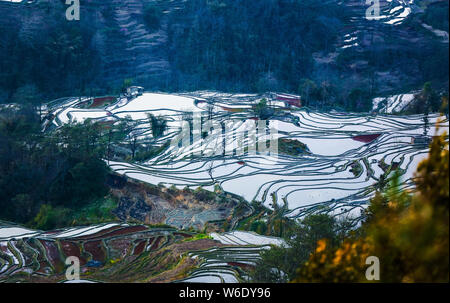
(258, 45)
(227, 45)
(62, 170)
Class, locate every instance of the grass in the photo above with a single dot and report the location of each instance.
(198, 237)
(99, 211)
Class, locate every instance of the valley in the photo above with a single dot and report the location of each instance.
(173, 195)
(223, 141)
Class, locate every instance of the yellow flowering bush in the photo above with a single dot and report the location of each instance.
(409, 234)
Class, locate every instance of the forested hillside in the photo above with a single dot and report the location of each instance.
(300, 46)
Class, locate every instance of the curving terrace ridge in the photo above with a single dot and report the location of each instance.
(126, 253)
(349, 155)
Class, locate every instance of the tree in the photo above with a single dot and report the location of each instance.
(125, 84)
(359, 100)
(426, 101)
(152, 17)
(49, 218)
(267, 82)
(308, 91)
(27, 94)
(23, 207)
(159, 125)
(61, 169)
(409, 234)
(262, 109)
(81, 184)
(326, 93)
(279, 264)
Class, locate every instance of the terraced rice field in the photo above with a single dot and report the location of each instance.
(349, 154)
(43, 254)
(391, 13)
(229, 264)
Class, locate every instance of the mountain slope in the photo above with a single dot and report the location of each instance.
(254, 46)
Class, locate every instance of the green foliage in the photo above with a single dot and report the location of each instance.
(55, 60)
(152, 17)
(23, 207)
(265, 221)
(259, 227)
(262, 110)
(150, 152)
(198, 237)
(356, 168)
(279, 264)
(274, 266)
(81, 184)
(159, 125)
(93, 213)
(292, 147)
(50, 218)
(224, 45)
(426, 101)
(62, 170)
(263, 45)
(436, 15)
(27, 94)
(203, 194)
(309, 92)
(409, 234)
(359, 100)
(125, 84)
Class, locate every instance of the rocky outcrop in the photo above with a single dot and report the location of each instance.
(178, 208)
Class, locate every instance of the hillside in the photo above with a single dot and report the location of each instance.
(200, 44)
(224, 141)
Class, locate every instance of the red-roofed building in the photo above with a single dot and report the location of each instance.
(290, 100)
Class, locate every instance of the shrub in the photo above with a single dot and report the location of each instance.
(152, 17)
(409, 234)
